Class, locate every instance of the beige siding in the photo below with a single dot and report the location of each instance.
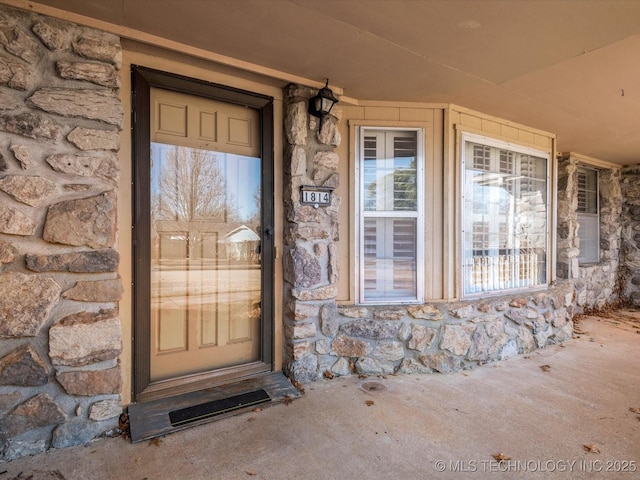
(416, 114)
(382, 113)
(463, 119)
(490, 127)
(346, 246)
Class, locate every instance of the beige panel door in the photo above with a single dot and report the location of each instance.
(205, 235)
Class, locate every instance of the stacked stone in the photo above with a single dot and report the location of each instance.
(60, 335)
(310, 262)
(568, 242)
(631, 232)
(596, 285)
(444, 338)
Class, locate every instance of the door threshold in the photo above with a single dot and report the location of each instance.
(167, 415)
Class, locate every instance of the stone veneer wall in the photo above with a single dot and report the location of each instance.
(596, 285)
(631, 233)
(322, 338)
(60, 336)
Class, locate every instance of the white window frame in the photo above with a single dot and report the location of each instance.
(360, 216)
(581, 259)
(504, 145)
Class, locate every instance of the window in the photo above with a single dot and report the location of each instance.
(505, 216)
(588, 216)
(389, 170)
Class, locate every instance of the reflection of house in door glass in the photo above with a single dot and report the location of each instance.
(241, 244)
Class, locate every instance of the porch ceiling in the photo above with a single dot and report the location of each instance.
(568, 67)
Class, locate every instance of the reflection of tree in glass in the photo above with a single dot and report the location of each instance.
(254, 220)
(403, 181)
(405, 194)
(193, 186)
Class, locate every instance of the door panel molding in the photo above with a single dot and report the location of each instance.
(142, 81)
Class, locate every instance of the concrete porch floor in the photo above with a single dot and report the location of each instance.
(411, 426)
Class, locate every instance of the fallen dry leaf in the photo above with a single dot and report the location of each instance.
(251, 419)
(123, 421)
(328, 374)
(501, 457)
(251, 472)
(287, 399)
(257, 409)
(123, 425)
(299, 387)
(634, 410)
(545, 368)
(155, 442)
(138, 459)
(368, 403)
(591, 448)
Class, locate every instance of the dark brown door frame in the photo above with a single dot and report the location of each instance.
(142, 81)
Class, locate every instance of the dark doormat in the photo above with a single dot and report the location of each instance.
(217, 407)
(166, 415)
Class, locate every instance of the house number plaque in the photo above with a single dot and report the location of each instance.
(316, 196)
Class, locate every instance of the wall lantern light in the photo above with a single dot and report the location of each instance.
(321, 105)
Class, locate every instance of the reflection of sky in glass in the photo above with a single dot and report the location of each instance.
(242, 176)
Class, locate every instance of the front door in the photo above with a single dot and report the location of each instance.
(203, 304)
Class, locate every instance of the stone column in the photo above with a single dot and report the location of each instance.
(630, 257)
(568, 242)
(611, 202)
(310, 263)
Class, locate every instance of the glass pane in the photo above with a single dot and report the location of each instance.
(589, 239)
(205, 260)
(390, 258)
(390, 171)
(505, 219)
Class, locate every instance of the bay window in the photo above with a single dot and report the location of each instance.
(505, 216)
(389, 171)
